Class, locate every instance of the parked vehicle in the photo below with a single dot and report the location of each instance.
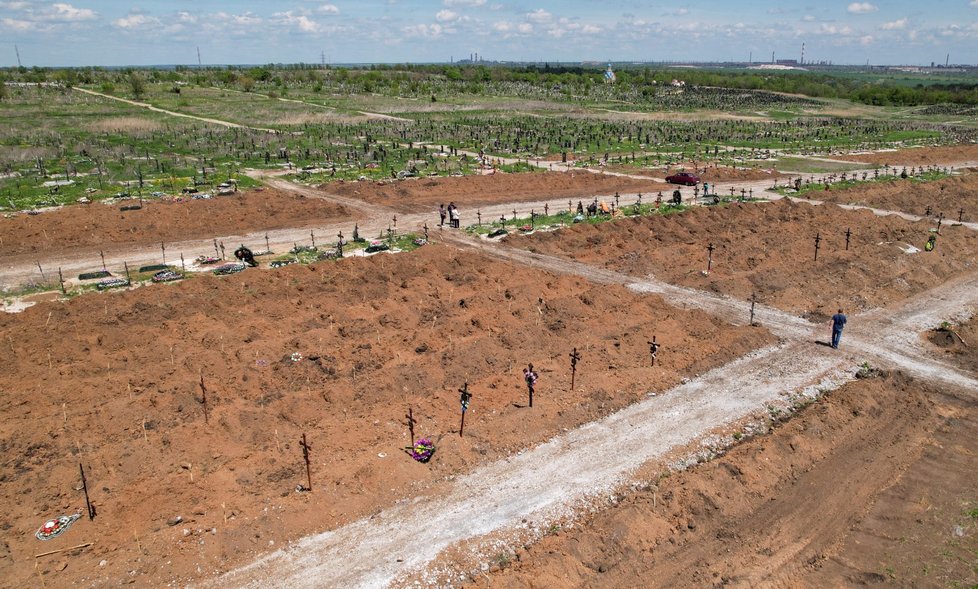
(685, 178)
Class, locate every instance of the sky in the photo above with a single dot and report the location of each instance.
(150, 32)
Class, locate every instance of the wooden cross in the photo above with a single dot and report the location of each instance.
(753, 301)
(163, 248)
(102, 255)
(478, 213)
(216, 253)
(312, 236)
(653, 349)
(306, 447)
(339, 244)
(818, 240)
(268, 248)
(940, 219)
(848, 235)
(410, 423)
(61, 279)
(546, 209)
(203, 395)
(574, 357)
(960, 214)
(709, 259)
(464, 398)
(88, 503)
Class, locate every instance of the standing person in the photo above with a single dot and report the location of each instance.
(531, 380)
(453, 215)
(442, 213)
(838, 322)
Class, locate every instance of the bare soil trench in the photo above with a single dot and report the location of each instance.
(468, 192)
(875, 484)
(768, 249)
(99, 226)
(338, 352)
(953, 197)
(921, 156)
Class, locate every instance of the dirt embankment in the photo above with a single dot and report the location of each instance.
(425, 194)
(338, 352)
(958, 344)
(923, 156)
(873, 485)
(952, 196)
(769, 249)
(98, 225)
(711, 173)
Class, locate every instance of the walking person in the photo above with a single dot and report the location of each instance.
(531, 380)
(838, 322)
(442, 213)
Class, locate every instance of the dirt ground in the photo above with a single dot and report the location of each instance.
(958, 344)
(711, 173)
(952, 196)
(338, 352)
(94, 225)
(921, 156)
(768, 249)
(425, 194)
(873, 485)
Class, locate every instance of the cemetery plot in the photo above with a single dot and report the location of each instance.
(773, 508)
(923, 156)
(193, 407)
(769, 249)
(98, 224)
(956, 343)
(425, 194)
(951, 197)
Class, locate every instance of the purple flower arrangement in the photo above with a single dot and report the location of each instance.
(422, 450)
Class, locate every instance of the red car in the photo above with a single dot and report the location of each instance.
(683, 178)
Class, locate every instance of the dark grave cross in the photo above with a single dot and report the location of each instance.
(39, 269)
(709, 259)
(960, 214)
(163, 249)
(731, 191)
(848, 235)
(410, 423)
(395, 223)
(616, 198)
(356, 232)
(574, 357)
(128, 278)
(753, 302)
(61, 279)
(464, 398)
(222, 251)
(216, 252)
(743, 193)
(203, 396)
(478, 214)
(940, 219)
(533, 217)
(306, 447)
(818, 240)
(268, 248)
(183, 265)
(927, 211)
(514, 215)
(751, 193)
(570, 208)
(546, 209)
(312, 238)
(88, 502)
(425, 228)
(102, 255)
(654, 349)
(339, 242)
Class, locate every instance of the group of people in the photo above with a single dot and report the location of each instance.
(451, 213)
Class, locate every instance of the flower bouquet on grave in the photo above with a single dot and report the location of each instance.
(204, 260)
(526, 228)
(420, 241)
(422, 450)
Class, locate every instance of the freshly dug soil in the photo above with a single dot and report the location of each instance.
(873, 485)
(769, 249)
(958, 345)
(954, 196)
(336, 351)
(921, 156)
(425, 194)
(96, 224)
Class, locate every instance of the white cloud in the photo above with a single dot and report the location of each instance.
(895, 25)
(502, 26)
(432, 31)
(446, 16)
(525, 28)
(17, 24)
(862, 8)
(974, 3)
(866, 39)
(300, 22)
(539, 16)
(808, 18)
(453, 3)
(136, 21)
(328, 9)
(15, 5)
(68, 13)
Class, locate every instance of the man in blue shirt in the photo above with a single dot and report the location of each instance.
(838, 322)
